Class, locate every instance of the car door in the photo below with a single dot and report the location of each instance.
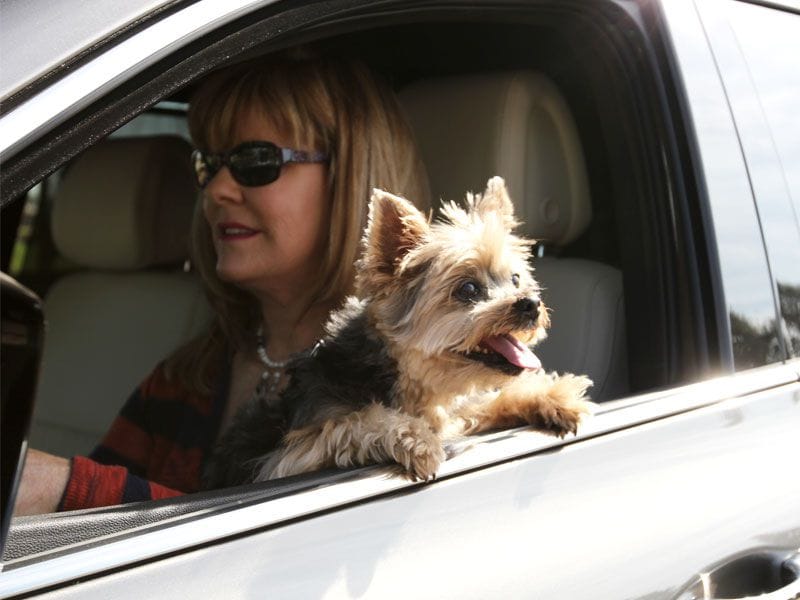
(688, 472)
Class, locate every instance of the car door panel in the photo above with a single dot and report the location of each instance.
(632, 514)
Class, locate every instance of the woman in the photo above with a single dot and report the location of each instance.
(289, 149)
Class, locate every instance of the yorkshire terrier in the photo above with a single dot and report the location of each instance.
(436, 346)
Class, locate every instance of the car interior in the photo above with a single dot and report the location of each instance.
(552, 108)
(137, 197)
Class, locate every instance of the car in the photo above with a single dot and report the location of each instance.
(664, 133)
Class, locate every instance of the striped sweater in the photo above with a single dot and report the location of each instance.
(154, 449)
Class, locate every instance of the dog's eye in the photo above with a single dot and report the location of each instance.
(468, 291)
(515, 279)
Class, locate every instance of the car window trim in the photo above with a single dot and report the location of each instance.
(783, 5)
(95, 558)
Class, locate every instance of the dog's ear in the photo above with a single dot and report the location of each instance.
(496, 200)
(394, 227)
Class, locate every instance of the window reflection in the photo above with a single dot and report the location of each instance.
(790, 310)
(756, 343)
(764, 92)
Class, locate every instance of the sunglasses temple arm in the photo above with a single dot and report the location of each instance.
(301, 156)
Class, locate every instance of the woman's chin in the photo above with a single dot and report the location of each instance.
(239, 277)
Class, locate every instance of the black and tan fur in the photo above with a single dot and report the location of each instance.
(403, 369)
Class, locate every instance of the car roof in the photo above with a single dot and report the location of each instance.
(45, 35)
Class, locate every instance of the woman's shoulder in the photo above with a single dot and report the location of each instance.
(159, 383)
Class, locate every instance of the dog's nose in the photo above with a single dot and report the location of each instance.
(528, 306)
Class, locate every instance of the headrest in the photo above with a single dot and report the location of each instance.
(126, 203)
(516, 125)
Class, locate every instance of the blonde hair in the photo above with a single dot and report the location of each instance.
(334, 105)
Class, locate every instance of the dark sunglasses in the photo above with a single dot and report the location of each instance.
(251, 164)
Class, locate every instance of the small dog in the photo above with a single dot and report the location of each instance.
(446, 313)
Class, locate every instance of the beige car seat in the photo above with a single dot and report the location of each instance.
(122, 213)
(517, 125)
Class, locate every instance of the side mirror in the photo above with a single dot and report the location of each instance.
(22, 335)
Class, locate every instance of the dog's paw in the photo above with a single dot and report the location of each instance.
(566, 406)
(563, 419)
(419, 451)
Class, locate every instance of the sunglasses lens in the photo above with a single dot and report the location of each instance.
(255, 165)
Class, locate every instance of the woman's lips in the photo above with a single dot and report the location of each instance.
(234, 231)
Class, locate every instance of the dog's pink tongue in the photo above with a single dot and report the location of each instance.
(515, 351)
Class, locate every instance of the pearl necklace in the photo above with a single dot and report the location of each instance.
(268, 362)
(273, 370)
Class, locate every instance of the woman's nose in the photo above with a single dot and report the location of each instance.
(222, 187)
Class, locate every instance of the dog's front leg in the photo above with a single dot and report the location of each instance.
(374, 434)
(550, 402)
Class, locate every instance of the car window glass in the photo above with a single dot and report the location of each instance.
(758, 59)
(742, 262)
(770, 44)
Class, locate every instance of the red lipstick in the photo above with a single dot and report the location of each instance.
(231, 231)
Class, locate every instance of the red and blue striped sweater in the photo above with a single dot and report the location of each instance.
(155, 448)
